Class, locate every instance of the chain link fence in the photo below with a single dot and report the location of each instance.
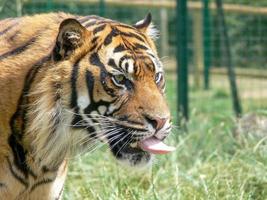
(246, 26)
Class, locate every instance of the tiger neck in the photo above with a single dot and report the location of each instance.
(39, 128)
(48, 131)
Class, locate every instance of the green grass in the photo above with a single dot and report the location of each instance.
(209, 162)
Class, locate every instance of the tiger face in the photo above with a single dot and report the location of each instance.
(118, 97)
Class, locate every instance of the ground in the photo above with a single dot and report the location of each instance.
(209, 163)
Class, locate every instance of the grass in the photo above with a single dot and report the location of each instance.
(209, 162)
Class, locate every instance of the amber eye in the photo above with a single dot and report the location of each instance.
(119, 79)
(158, 77)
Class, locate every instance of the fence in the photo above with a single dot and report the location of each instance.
(206, 50)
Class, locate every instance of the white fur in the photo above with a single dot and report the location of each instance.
(156, 61)
(50, 148)
(102, 109)
(152, 31)
(51, 144)
(164, 131)
(58, 184)
(140, 22)
(83, 101)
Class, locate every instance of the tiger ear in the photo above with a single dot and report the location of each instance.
(146, 26)
(71, 35)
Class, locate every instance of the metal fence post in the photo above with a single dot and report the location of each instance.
(102, 8)
(206, 42)
(181, 56)
(230, 67)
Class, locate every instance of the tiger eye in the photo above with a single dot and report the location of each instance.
(119, 78)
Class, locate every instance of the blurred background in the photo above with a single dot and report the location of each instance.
(215, 57)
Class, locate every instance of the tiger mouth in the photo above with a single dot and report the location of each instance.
(139, 145)
(125, 144)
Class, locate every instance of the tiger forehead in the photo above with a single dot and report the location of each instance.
(131, 65)
(125, 49)
(117, 35)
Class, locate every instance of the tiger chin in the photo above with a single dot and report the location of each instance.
(68, 81)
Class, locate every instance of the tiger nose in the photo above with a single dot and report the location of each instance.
(156, 122)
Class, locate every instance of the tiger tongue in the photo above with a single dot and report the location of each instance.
(155, 146)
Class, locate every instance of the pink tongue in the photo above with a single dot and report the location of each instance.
(155, 146)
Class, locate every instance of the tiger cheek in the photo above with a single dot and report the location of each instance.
(100, 93)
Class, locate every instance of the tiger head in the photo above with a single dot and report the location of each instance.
(117, 85)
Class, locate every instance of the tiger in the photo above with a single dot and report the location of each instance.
(68, 81)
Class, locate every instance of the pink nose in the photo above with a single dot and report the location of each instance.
(156, 122)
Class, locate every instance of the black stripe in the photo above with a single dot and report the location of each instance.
(13, 36)
(117, 144)
(21, 107)
(151, 55)
(90, 81)
(90, 86)
(92, 23)
(20, 179)
(122, 59)
(55, 122)
(140, 46)
(45, 169)
(126, 26)
(8, 28)
(119, 48)
(108, 39)
(93, 47)
(94, 39)
(18, 121)
(127, 67)
(5, 30)
(44, 181)
(112, 63)
(94, 59)
(74, 76)
(19, 49)
(133, 35)
(76, 121)
(19, 154)
(84, 19)
(99, 28)
(2, 185)
(92, 106)
(57, 87)
(104, 21)
(90, 17)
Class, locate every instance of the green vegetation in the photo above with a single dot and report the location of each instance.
(209, 163)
